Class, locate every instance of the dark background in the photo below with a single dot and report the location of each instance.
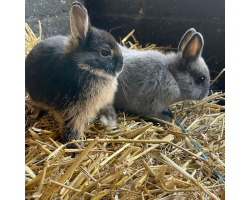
(160, 22)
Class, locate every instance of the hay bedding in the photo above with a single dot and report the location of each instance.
(141, 158)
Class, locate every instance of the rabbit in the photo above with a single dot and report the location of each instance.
(75, 76)
(151, 80)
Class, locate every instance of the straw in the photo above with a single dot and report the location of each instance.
(141, 158)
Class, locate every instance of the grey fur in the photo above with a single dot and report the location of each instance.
(151, 81)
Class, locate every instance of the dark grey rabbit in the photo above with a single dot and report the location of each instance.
(75, 76)
(151, 81)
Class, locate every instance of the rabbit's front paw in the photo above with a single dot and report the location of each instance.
(108, 116)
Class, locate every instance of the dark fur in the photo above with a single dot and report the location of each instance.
(69, 76)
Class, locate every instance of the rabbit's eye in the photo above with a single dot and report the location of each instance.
(106, 52)
(200, 79)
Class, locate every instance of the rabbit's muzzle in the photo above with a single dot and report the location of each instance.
(119, 63)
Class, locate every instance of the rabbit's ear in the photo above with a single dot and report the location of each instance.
(185, 38)
(193, 47)
(79, 21)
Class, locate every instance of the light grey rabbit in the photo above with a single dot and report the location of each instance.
(151, 80)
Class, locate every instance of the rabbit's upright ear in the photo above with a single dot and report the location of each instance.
(185, 38)
(79, 21)
(193, 48)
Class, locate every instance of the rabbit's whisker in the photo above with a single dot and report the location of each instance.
(210, 58)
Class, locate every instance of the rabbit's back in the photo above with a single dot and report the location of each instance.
(145, 74)
(50, 75)
(49, 48)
